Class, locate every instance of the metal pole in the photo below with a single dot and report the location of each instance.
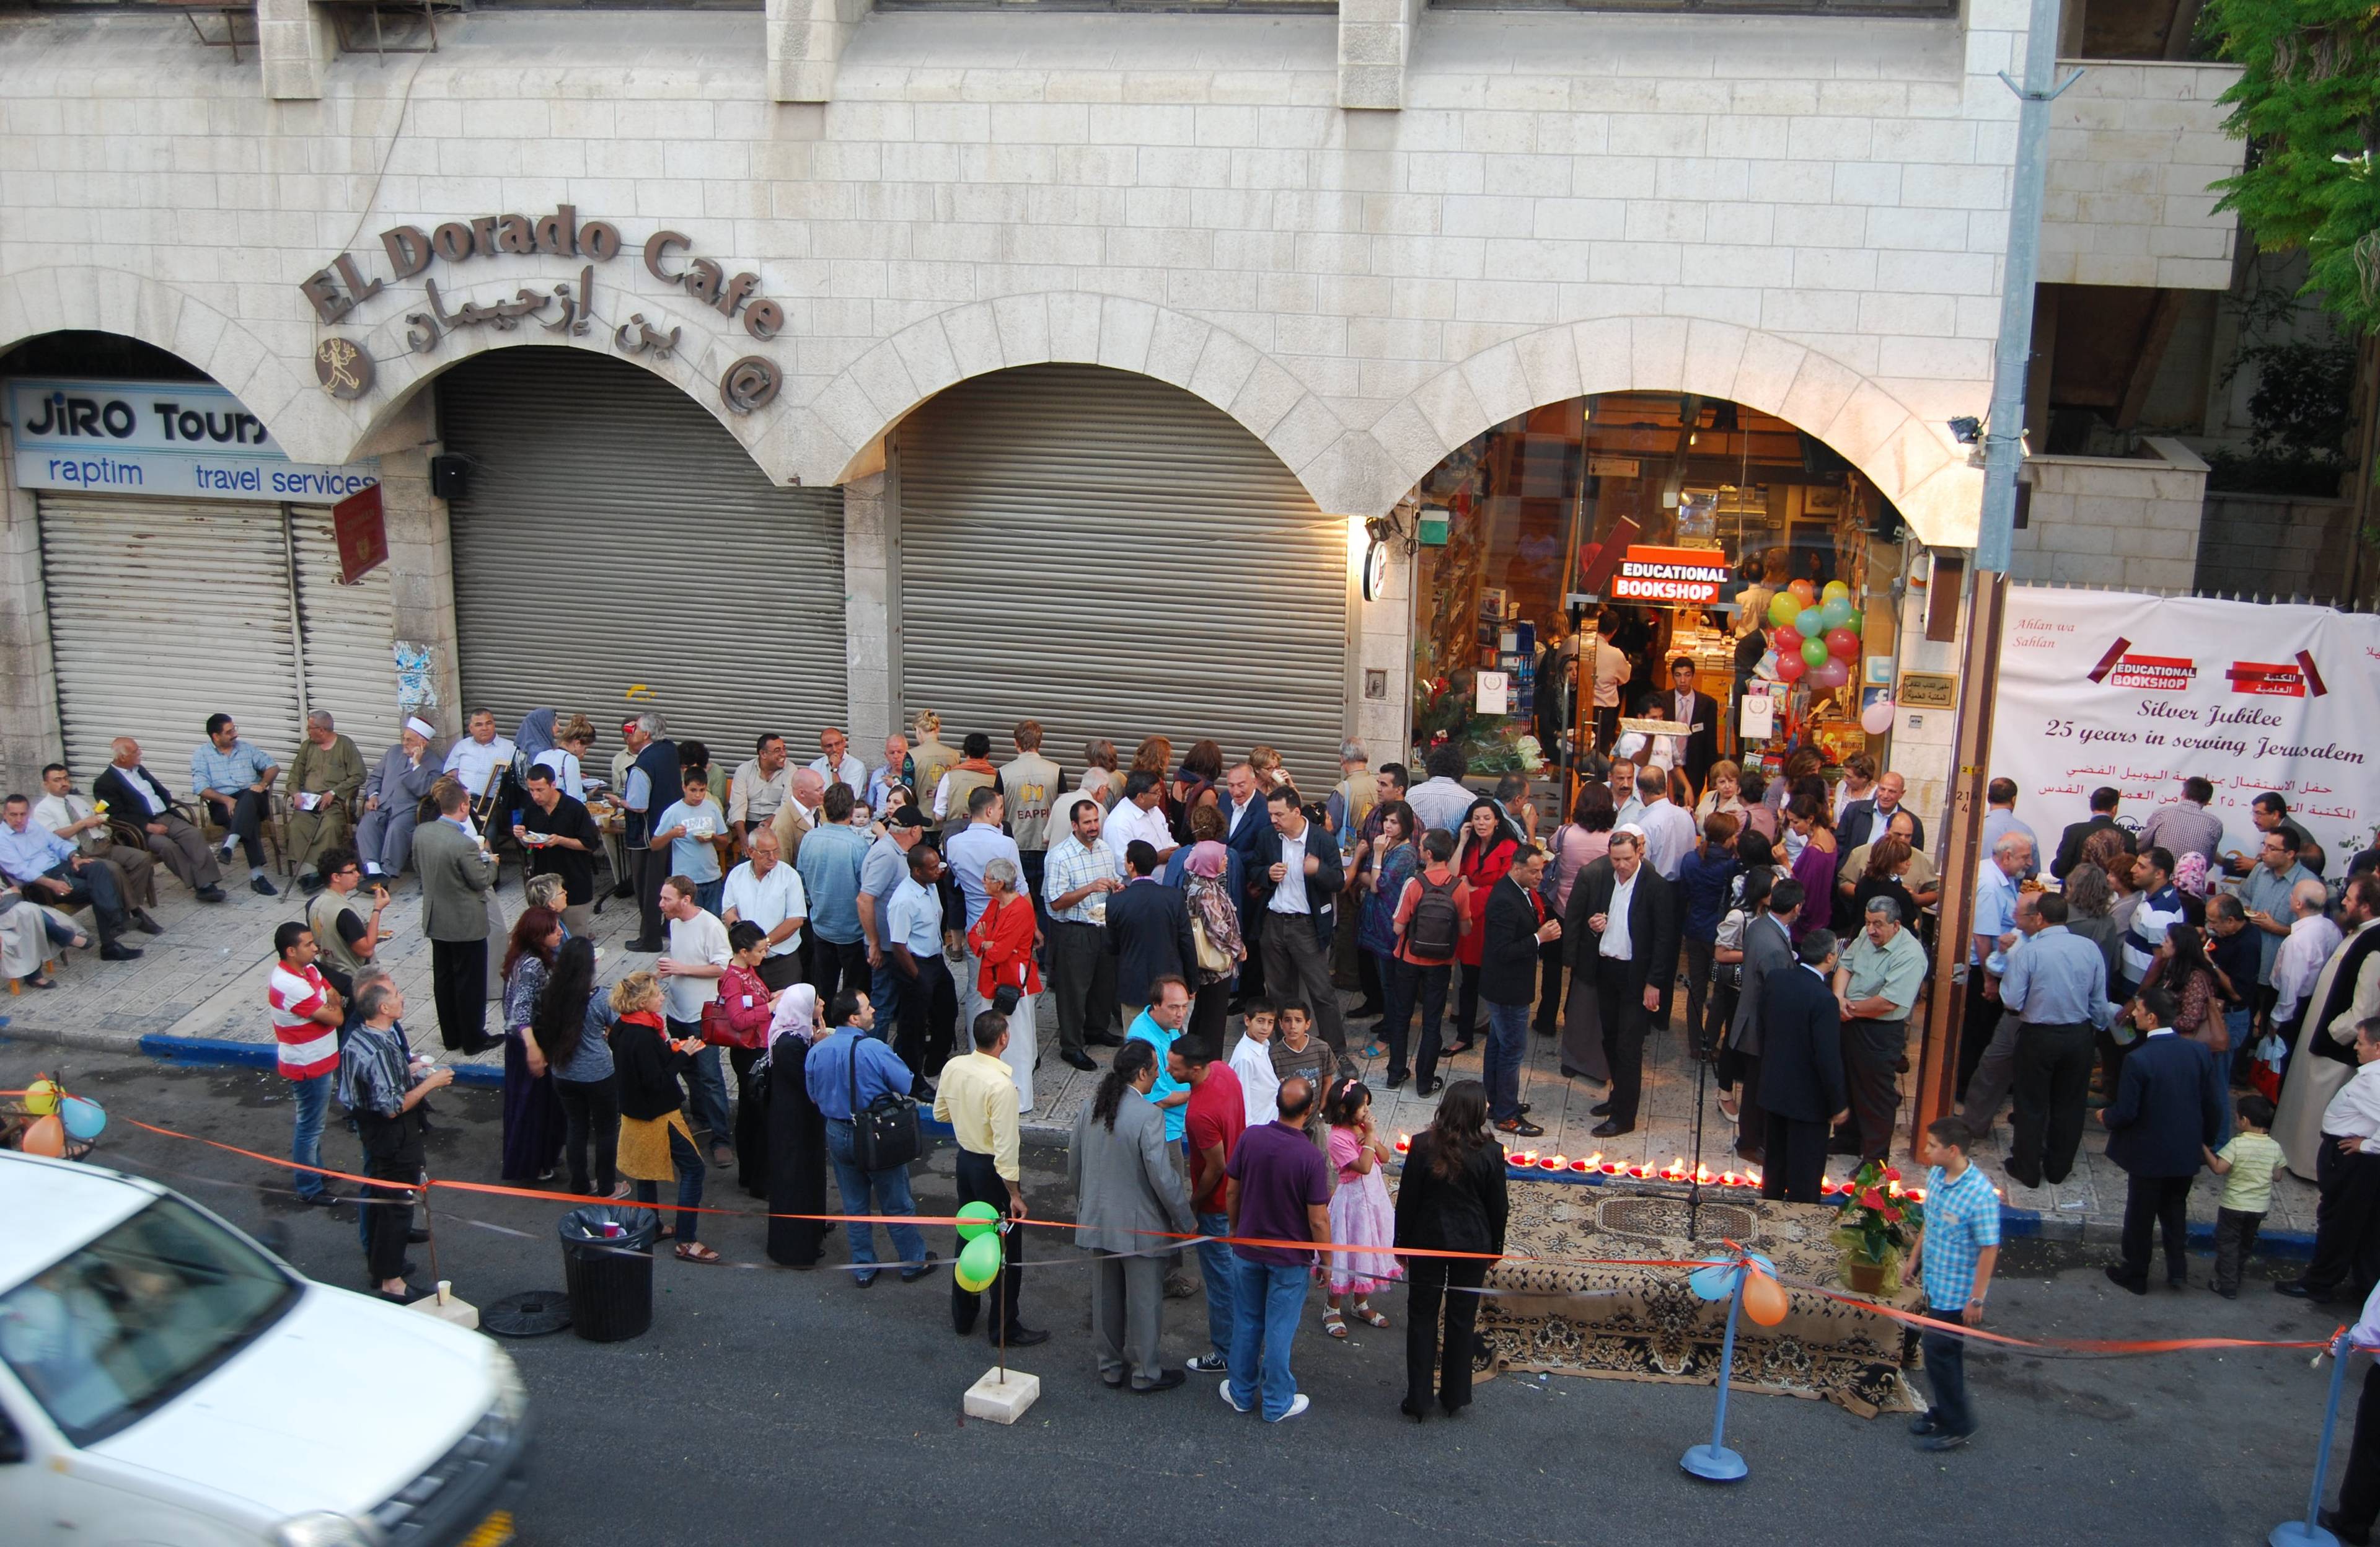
(2310, 1532)
(1714, 1462)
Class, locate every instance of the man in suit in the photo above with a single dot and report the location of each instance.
(1802, 1085)
(1303, 877)
(2167, 1113)
(2104, 801)
(1148, 931)
(1864, 819)
(1682, 703)
(1516, 924)
(1767, 950)
(1245, 827)
(137, 798)
(456, 874)
(1127, 1192)
(1624, 926)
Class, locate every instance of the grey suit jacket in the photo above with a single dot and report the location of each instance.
(1767, 948)
(1124, 1183)
(455, 878)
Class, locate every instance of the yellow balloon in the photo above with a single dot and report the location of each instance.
(46, 1137)
(41, 1098)
(1764, 1299)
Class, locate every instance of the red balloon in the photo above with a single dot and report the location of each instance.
(1842, 644)
(1805, 590)
(1787, 639)
(1791, 667)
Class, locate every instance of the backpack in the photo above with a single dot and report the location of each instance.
(1436, 925)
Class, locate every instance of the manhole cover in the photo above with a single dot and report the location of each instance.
(532, 1313)
(1661, 1218)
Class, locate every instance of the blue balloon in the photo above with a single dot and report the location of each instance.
(84, 1119)
(1715, 1281)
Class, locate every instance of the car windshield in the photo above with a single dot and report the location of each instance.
(115, 1330)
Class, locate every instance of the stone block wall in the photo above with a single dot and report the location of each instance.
(2133, 148)
(2130, 522)
(2275, 545)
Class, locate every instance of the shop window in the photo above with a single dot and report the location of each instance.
(1636, 528)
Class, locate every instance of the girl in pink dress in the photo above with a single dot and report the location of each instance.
(1360, 1214)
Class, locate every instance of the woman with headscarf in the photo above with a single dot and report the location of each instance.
(655, 1144)
(1484, 848)
(1216, 920)
(796, 1133)
(534, 1118)
(1002, 941)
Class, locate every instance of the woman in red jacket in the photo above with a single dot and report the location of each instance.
(1002, 941)
(1484, 850)
(746, 1001)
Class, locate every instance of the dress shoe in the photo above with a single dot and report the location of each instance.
(144, 923)
(1520, 1127)
(864, 1281)
(1925, 1423)
(1180, 1286)
(911, 1275)
(2298, 1289)
(416, 1237)
(1601, 1109)
(1430, 1088)
(1166, 1380)
(650, 947)
(2122, 1279)
(117, 950)
(1076, 1059)
(1396, 1080)
(2354, 1536)
(1106, 1039)
(407, 1297)
(1610, 1128)
(1406, 1406)
(2021, 1179)
(1945, 1440)
(1524, 1109)
(1025, 1338)
(263, 887)
(212, 894)
(310, 883)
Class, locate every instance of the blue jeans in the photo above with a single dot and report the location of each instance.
(708, 893)
(1946, 1368)
(314, 1098)
(1499, 1064)
(884, 996)
(1269, 1298)
(688, 1164)
(889, 1188)
(706, 1086)
(1215, 1265)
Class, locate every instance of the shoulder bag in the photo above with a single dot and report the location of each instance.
(883, 1135)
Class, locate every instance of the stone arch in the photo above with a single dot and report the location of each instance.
(1913, 462)
(880, 388)
(82, 298)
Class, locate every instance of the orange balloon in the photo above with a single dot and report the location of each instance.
(47, 1135)
(1805, 590)
(1764, 1299)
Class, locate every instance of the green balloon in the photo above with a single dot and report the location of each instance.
(1852, 623)
(977, 1218)
(1814, 651)
(1783, 608)
(978, 1263)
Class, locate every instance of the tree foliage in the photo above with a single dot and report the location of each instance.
(2309, 106)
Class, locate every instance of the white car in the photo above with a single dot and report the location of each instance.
(166, 1381)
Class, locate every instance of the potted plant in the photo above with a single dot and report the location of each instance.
(1874, 1226)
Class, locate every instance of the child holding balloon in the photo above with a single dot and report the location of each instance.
(1361, 1215)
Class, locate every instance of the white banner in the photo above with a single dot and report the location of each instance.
(2141, 692)
(189, 440)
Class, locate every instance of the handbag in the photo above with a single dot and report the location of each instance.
(1212, 957)
(885, 1134)
(719, 1031)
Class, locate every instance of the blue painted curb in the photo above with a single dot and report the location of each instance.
(2269, 1243)
(220, 1053)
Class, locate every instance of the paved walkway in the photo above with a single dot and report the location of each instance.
(204, 979)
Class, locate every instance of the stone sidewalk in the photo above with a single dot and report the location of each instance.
(202, 984)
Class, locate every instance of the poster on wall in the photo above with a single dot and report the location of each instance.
(2141, 692)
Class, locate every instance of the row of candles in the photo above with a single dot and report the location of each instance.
(1676, 1171)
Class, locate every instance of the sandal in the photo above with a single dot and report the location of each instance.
(697, 1252)
(1334, 1325)
(666, 1233)
(1366, 1314)
(1371, 1050)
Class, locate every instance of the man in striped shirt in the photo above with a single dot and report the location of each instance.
(306, 1016)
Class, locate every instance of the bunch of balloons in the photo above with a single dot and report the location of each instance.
(979, 1261)
(1815, 634)
(59, 1118)
(1764, 1298)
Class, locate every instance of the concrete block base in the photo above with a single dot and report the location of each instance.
(1002, 1401)
(446, 1308)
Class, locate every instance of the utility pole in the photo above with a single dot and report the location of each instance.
(1987, 580)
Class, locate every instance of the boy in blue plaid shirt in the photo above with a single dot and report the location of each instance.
(1954, 1257)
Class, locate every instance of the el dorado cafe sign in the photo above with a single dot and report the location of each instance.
(567, 307)
(1679, 576)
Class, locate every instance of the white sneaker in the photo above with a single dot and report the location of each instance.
(1298, 1404)
(1226, 1390)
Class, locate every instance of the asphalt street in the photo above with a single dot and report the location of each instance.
(770, 1404)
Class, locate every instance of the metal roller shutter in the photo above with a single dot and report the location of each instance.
(347, 631)
(613, 534)
(1113, 558)
(161, 613)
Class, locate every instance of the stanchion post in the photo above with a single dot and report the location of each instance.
(2309, 1532)
(1714, 1462)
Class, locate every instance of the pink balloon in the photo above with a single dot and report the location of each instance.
(1789, 667)
(1877, 718)
(1842, 644)
(1834, 674)
(1787, 639)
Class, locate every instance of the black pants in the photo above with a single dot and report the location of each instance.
(2346, 1220)
(1699, 962)
(929, 1009)
(1082, 979)
(780, 973)
(1622, 1009)
(980, 1183)
(1466, 1004)
(1978, 1019)
(653, 868)
(1797, 1159)
(2235, 1239)
(1370, 979)
(392, 1154)
(245, 820)
(94, 885)
(2052, 1088)
(836, 964)
(1411, 984)
(1210, 1008)
(458, 981)
(1550, 995)
(2149, 1202)
(1449, 1282)
(591, 1109)
(1607, 726)
(2359, 1495)
(1872, 1052)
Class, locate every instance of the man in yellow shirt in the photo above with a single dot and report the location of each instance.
(977, 1099)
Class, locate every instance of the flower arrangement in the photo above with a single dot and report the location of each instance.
(1875, 1223)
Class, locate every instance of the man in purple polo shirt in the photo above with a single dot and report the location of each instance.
(1280, 1190)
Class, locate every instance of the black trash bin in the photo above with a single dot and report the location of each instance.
(610, 1276)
